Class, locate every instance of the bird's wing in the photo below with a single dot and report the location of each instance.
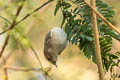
(46, 42)
(47, 36)
(63, 47)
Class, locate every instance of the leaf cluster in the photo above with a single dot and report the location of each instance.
(78, 26)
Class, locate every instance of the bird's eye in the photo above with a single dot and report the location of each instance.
(49, 59)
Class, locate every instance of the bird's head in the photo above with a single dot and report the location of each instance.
(51, 59)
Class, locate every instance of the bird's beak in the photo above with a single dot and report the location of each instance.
(55, 64)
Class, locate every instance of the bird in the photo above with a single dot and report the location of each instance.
(55, 42)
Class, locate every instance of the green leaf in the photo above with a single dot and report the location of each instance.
(75, 10)
(67, 5)
(88, 51)
(58, 5)
(63, 21)
(118, 53)
(89, 38)
(74, 40)
(70, 36)
(78, 27)
(94, 58)
(82, 36)
(113, 56)
(81, 44)
(67, 28)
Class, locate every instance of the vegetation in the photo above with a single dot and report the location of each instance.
(77, 24)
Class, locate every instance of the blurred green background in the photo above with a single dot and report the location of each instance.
(72, 64)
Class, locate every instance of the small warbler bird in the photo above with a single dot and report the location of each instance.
(55, 42)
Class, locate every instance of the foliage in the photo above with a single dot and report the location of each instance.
(15, 34)
(78, 26)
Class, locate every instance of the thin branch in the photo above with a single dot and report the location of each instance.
(7, 22)
(17, 14)
(36, 55)
(103, 18)
(4, 31)
(116, 64)
(31, 47)
(4, 61)
(29, 14)
(5, 44)
(96, 42)
(5, 19)
(11, 27)
(6, 74)
(22, 69)
(25, 70)
(33, 50)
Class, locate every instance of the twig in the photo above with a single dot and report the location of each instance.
(33, 50)
(14, 21)
(4, 31)
(103, 18)
(96, 42)
(4, 61)
(31, 47)
(7, 22)
(17, 14)
(27, 15)
(11, 27)
(6, 41)
(36, 55)
(4, 46)
(6, 74)
(25, 70)
(116, 64)
(5, 19)
(22, 69)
